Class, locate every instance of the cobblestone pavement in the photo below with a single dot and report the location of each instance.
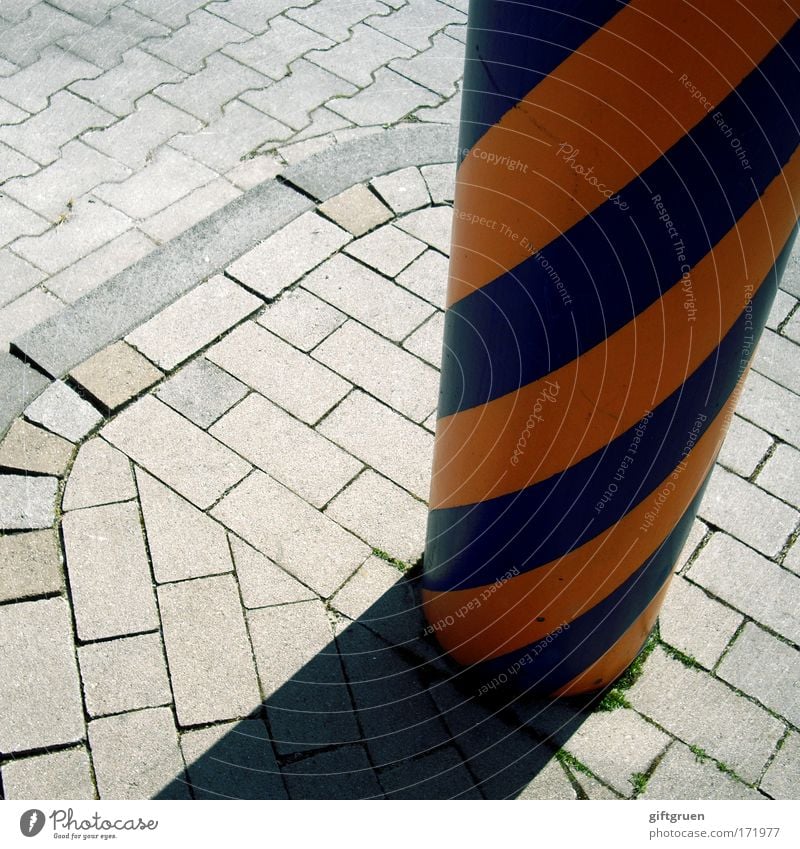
(209, 526)
(209, 590)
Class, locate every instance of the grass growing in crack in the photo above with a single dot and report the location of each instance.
(566, 759)
(701, 756)
(639, 782)
(392, 561)
(615, 697)
(685, 659)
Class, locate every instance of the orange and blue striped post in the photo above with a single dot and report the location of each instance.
(626, 202)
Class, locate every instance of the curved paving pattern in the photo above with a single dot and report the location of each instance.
(211, 527)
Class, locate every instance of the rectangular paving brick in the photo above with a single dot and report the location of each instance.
(286, 256)
(705, 712)
(342, 773)
(292, 533)
(108, 571)
(382, 369)
(431, 225)
(289, 378)
(384, 440)
(30, 565)
(426, 342)
(371, 299)
(781, 780)
(765, 668)
(771, 407)
(26, 312)
(781, 474)
(744, 447)
(287, 449)
(193, 321)
(63, 412)
(66, 774)
(301, 319)
(126, 674)
(18, 276)
(747, 512)
(776, 358)
(30, 448)
(137, 756)
(387, 249)
(27, 502)
(40, 699)
(402, 190)
(438, 775)
(262, 582)
(750, 583)
(208, 651)
(176, 451)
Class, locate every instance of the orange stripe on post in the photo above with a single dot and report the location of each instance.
(628, 82)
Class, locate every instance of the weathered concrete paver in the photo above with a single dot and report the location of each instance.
(781, 780)
(27, 502)
(28, 448)
(66, 774)
(30, 565)
(99, 475)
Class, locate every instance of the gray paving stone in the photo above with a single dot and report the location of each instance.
(550, 783)
(771, 407)
(356, 209)
(430, 422)
(122, 675)
(209, 655)
(17, 275)
(134, 139)
(108, 572)
(189, 210)
(374, 579)
(750, 583)
(402, 190)
(416, 22)
(705, 712)
(438, 68)
(695, 624)
(747, 512)
(92, 270)
(262, 582)
(368, 297)
(118, 89)
(386, 101)
(782, 307)
(765, 668)
(254, 170)
(228, 139)
(89, 225)
(617, 744)
(136, 755)
(201, 391)
(431, 225)
(781, 474)
(99, 475)
(781, 780)
(427, 277)
(426, 341)
(193, 321)
(31, 449)
(307, 698)
(183, 541)
(13, 162)
(169, 177)
(292, 380)
(439, 775)
(286, 256)
(273, 52)
(293, 98)
(16, 220)
(66, 774)
(91, 11)
(115, 375)
(30, 565)
(25, 312)
(40, 699)
(27, 502)
(776, 358)
(387, 249)
(744, 447)
(176, 451)
(361, 55)
(342, 773)
(382, 369)
(335, 19)
(441, 181)
(62, 411)
(292, 533)
(253, 15)
(24, 41)
(792, 328)
(55, 69)
(173, 14)
(203, 35)
(233, 760)
(682, 775)
(384, 515)
(792, 559)
(120, 30)
(10, 114)
(301, 319)
(384, 440)
(285, 448)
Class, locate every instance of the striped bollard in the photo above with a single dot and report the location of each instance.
(626, 202)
